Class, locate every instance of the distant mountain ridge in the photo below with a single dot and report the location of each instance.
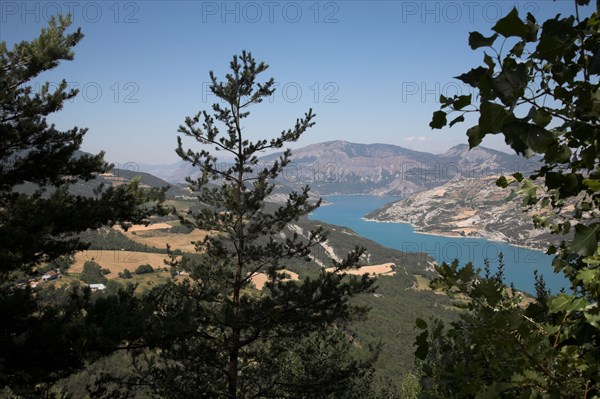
(341, 167)
(113, 177)
(174, 173)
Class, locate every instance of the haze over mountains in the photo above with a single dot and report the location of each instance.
(340, 167)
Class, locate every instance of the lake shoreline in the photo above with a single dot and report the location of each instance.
(417, 230)
(520, 262)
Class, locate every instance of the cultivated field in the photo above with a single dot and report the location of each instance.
(159, 237)
(117, 261)
(384, 268)
(141, 227)
(260, 279)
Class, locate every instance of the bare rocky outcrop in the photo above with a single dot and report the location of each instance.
(467, 207)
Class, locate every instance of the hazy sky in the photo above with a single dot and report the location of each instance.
(371, 70)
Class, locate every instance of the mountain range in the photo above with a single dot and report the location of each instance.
(337, 167)
(341, 167)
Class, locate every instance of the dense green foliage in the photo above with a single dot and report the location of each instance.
(496, 347)
(393, 309)
(143, 269)
(62, 263)
(125, 274)
(92, 273)
(543, 96)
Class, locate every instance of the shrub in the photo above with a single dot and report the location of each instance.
(181, 229)
(125, 274)
(142, 269)
(92, 273)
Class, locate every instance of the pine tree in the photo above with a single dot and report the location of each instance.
(234, 338)
(39, 227)
(41, 342)
(92, 273)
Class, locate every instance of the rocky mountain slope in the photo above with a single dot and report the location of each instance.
(341, 167)
(469, 208)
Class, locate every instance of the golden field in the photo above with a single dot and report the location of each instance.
(384, 268)
(156, 235)
(117, 261)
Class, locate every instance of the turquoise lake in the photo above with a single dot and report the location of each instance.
(519, 262)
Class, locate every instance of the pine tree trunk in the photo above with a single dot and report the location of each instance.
(234, 348)
(232, 367)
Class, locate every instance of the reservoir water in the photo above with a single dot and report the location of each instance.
(519, 262)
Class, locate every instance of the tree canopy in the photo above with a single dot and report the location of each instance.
(538, 88)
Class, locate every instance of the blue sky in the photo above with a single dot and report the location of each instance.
(371, 70)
